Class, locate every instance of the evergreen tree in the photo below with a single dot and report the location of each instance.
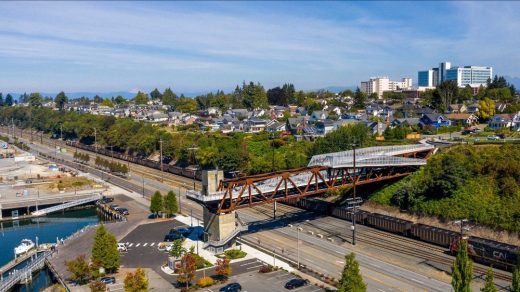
(462, 270)
(141, 98)
(156, 204)
(170, 203)
(169, 98)
(156, 94)
(1, 99)
(351, 280)
(515, 286)
(177, 249)
(489, 286)
(8, 100)
(104, 250)
(60, 100)
(359, 99)
(136, 282)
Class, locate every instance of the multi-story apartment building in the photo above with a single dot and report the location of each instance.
(379, 85)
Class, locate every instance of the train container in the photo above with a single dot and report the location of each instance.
(346, 214)
(490, 252)
(314, 205)
(434, 235)
(390, 224)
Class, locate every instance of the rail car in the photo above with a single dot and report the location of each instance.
(484, 251)
(177, 170)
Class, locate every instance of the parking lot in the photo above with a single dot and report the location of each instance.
(143, 251)
(255, 281)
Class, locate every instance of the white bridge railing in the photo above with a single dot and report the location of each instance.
(24, 273)
(67, 205)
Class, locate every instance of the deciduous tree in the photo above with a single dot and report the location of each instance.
(223, 267)
(170, 203)
(136, 282)
(186, 270)
(79, 269)
(141, 98)
(486, 109)
(156, 203)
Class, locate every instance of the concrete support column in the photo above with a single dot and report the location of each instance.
(218, 226)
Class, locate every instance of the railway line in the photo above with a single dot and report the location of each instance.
(380, 239)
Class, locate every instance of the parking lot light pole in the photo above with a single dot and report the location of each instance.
(354, 179)
(298, 229)
(143, 185)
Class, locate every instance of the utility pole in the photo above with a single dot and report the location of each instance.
(95, 139)
(61, 132)
(112, 152)
(298, 229)
(143, 185)
(195, 162)
(161, 159)
(354, 179)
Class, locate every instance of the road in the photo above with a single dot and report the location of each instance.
(315, 253)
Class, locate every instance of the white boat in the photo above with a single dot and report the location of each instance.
(24, 247)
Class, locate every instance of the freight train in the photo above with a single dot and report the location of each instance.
(484, 251)
(182, 171)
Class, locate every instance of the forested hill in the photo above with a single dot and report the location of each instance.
(476, 182)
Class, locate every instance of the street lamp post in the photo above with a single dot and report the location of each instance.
(298, 229)
(143, 185)
(95, 140)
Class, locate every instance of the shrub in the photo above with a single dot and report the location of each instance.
(234, 254)
(205, 282)
(265, 269)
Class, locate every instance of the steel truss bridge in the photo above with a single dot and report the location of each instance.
(325, 172)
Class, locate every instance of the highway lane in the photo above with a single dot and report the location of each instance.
(332, 263)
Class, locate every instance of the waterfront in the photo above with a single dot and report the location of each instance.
(48, 229)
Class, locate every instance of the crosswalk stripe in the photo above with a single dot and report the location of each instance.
(127, 243)
(130, 245)
(152, 244)
(137, 245)
(146, 243)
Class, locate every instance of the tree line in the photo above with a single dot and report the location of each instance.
(110, 166)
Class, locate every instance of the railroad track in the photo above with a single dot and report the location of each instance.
(385, 240)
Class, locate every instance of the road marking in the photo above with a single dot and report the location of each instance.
(417, 281)
(127, 243)
(338, 252)
(340, 262)
(130, 245)
(146, 243)
(374, 265)
(247, 264)
(137, 245)
(152, 244)
(254, 267)
(381, 290)
(319, 289)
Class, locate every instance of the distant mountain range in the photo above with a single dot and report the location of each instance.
(129, 95)
(515, 81)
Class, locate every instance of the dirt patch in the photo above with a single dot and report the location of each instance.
(70, 183)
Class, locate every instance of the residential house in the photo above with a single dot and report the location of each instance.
(296, 125)
(511, 121)
(319, 116)
(276, 127)
(240, 113)
(157, 118)
(254, 125)
(457, 108)
(464, 119)
(435, 120)
(324, 127)
(500, 107)
(375, 127)
(405, 122)
(472, 108)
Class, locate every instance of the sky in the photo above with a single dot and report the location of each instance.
(203, 46)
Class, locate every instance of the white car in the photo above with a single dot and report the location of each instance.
(493, 137)
(121, 247)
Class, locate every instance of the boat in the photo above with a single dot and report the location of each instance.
(24, 247)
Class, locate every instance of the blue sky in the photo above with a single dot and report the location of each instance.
(201, 46)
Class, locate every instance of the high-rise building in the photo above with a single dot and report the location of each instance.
(473, 76)
(467, 75)
(379, 85)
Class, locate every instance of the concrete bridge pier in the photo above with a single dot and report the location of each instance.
(217, 227)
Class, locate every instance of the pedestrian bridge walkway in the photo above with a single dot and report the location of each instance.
(67, 205)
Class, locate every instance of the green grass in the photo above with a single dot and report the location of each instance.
(234, 254)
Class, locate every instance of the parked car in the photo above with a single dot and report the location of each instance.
(296, 283)
(108, 280)
(123, 211)
(493, 137)
(114, 207)
(153, 216)
(232, 287)
(184, 231)
(173, 236)
(106, 200)
(121, 247)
